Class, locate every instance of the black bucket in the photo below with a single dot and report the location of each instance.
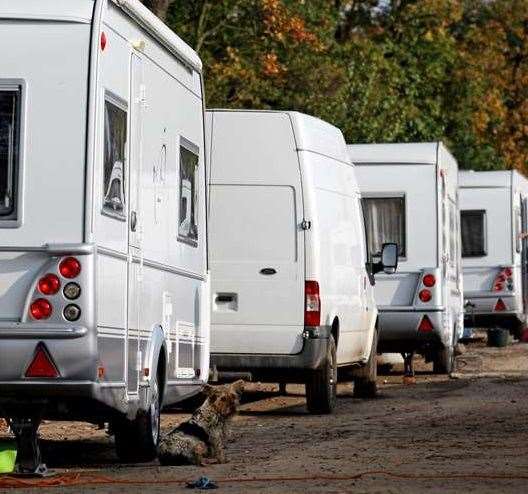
(498, 337)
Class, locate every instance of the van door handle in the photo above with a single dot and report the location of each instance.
(268, 271)
(133, 221)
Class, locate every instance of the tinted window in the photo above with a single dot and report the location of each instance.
(188, 224)
(473, 230)
(115, 136)
(384, 222)
(9, 150)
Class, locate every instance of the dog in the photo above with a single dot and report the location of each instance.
(204, 434)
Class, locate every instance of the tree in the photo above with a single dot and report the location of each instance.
(159, 7)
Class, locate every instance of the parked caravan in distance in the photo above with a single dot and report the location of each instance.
(104, 291)
(292, 300)
(410, 197)
(494, 222)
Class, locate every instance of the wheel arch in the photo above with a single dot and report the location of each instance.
(156, 354)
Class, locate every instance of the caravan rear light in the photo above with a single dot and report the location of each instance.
(425, 295)
(42, 364)
(70, 267)
(72, 312)
(72, 291)
(500, 306)
(429, 280)
(40, 309)
(426, 326)
(312, 310)
(502, 280)
(49, 284)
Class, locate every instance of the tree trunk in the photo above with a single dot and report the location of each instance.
(159, 7)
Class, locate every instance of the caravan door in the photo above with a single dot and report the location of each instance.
(135, 253)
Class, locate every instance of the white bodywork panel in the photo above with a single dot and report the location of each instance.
(269, 172)
(426, 175)
(502, 195)
(148, 278)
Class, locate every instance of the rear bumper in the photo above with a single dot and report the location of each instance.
(480, 309)
(399, 331)
(73, 349)
(284, 368)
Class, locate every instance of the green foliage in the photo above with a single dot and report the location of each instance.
(381, 70)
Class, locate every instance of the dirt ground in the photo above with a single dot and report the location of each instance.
(465, 433)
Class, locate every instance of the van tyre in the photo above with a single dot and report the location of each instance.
(365, 385)
(444, 360)
(321, 388)
(137, 440)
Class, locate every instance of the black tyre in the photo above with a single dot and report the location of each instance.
(365, 385)
(444, 360)
(321, 387)
(138, 440)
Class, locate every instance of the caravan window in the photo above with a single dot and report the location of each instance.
(188, 224)
(9, 149)
(115, 139)
(384, 222)
(473, 230)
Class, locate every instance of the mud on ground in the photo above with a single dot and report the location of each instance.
(467, 433)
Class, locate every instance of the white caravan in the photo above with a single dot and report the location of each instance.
(291, 295)
(410, 197)
(494, 222)
(104, 291)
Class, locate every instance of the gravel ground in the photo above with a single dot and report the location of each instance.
(465, 433)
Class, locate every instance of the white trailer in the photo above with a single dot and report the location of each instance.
(292, 300)
(104, 291)
(494, 220)
(410, 197)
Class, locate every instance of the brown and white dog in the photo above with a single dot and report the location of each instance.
(204, 434)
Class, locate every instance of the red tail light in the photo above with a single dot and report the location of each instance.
(429, 280)
(425, 295)
(426, 326)
(103, 41)
(503, 280)
(40, 309)
(42, 364)
(70, 267)
(49, 284)
(500, 306)
(312, 309)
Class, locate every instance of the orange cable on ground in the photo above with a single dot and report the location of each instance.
(78, 479)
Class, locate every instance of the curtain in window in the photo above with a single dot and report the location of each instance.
(384, 223)
(473, 235)
(8, 149)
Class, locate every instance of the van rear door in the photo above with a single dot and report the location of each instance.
(256, 243)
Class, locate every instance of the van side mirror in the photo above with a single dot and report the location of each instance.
(389, 259)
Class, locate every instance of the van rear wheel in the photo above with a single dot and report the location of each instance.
(321, 388)
(365, 385)
(137, 440)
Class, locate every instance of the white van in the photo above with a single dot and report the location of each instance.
(104, 293)
(410, 197)
(292, 300)
(494, 220)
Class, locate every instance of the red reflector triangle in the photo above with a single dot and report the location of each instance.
(500, 305)
(42, 364)
(426, 326)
